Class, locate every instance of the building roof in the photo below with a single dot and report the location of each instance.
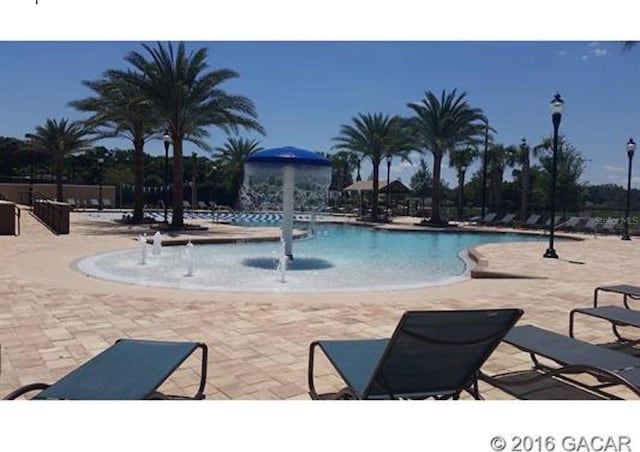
(395, 186)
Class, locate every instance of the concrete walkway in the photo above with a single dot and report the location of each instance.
(53, 318)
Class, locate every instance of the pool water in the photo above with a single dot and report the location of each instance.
(337, 258)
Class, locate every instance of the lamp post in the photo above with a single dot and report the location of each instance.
(557, 108)
(101, 164)
(631, 147)
(389, 159)
(484, 169)
(463, 169)
(166, 138)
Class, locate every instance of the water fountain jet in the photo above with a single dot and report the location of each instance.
(280, 178)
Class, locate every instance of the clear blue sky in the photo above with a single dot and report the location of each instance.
(304, 91)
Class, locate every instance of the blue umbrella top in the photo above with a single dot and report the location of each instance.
(288, 155)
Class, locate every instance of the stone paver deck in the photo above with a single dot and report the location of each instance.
(53, 318)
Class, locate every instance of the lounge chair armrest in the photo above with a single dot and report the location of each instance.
(26, 389)
(312, 389)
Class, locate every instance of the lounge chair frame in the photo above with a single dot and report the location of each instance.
(383, 349)
(545, 345)
(79, 384)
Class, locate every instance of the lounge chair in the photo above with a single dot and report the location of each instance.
(610, 225)
(488, 218)
(202, 205)
(506, 220)
(93, 202)
(569, 357)
(590, 226)
(430, 354)
(547, 224)
(571, 224)
(532, 221)
(106, 203)
(128, 370)
(71, 202)
(617, 316)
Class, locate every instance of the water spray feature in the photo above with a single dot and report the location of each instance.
(188, 258)
(283, 179)
(157, 243)
(142, 240)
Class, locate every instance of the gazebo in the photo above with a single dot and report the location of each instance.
(362, 186)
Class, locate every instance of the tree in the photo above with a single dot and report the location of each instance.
(374, 136)
(120, 109)
(570, 166)
(422, 181)
(343, 164)
(59, 138)
(462, 158)
(440, 125)
(188, 99)
(498, 157)
(230, 162)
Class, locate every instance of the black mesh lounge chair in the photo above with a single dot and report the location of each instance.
(128, 370)
(568, 357)
(431, 354)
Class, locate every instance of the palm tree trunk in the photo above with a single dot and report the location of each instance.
(177, 220)
(138, 171)
(374, 190)
(435, 191)
(526, 176)
(59, 169)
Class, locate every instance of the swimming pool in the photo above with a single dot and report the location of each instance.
(337, 258)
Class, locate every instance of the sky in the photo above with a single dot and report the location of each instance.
(305, 90)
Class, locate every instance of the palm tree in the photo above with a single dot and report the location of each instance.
(498, 158)
(440, 125)
(522, 157)
(189, 99)
(462, 158)
(343, 164)
(230, 161)
(59, 138)
(120, 110)
(374, 136)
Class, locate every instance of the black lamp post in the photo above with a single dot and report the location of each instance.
(631, 147)
(557, 108)
(389, 159)
(101, 164)
(167, 141)
(463, 169)
(484, 169)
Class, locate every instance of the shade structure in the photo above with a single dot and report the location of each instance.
(294, 167)
(288, 155)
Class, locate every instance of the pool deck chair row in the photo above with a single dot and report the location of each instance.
(431, 354)
(128, 370)
(568, 358)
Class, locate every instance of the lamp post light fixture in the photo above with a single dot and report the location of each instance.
(557, 108)
(166, 138)
(389, 159)
(631, 148)
(101, 164)
(484, 169)
(463, 169)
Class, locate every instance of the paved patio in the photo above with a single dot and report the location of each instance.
(53, 318)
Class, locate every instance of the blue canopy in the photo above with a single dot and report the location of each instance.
(288, 155)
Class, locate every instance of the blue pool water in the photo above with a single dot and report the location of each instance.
(337, 258)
